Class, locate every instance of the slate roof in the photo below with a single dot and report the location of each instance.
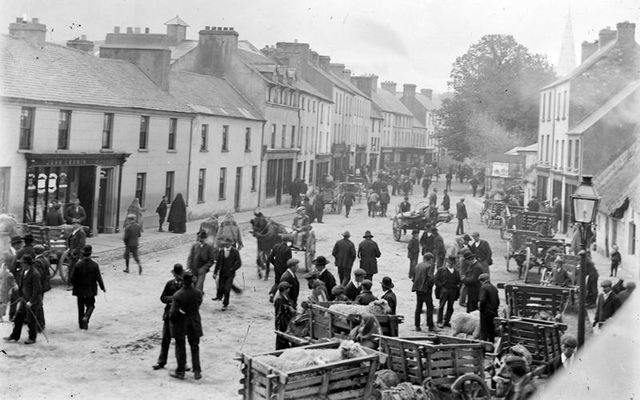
(376, 112)
(584, 66)
(176, 21)
(249, 54)
(182, 48)
(609, 105)
(620, 180)
(305, 86)
(59, 74)
(208, 94)
(418, 124)
(389, 102)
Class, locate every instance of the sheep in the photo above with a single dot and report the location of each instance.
(467, 323)
(376, 307)
(299, 358)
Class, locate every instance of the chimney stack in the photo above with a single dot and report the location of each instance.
(626, 34)
(588, 48)
(346, 74)
(176, 30)
(293, 54)
(314, 58)
(408, 90)
(33, 31)
(367, 84)
(428, 93)
(216, 50)
(606, 36)
(389, 87)
(148, 51)
(337, 69)
(324, 62)
(81, 44)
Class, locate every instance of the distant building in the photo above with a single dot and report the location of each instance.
(103, 130)
(588, 117)
(424, 107)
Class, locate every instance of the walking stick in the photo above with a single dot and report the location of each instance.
(33, 315)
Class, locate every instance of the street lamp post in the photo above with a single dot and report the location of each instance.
(584, 207)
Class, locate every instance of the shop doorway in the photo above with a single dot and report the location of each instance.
(103, 198)
(86, 192)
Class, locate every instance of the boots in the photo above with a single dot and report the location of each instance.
(139, 269)
(87, 316)
(126, 268)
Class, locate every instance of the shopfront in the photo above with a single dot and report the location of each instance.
(94, 179)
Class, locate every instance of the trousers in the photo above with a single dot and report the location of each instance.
(166, 342)
(421, 299)
(181, 352)
(86, 305)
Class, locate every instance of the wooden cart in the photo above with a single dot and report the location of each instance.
(441, 358)
(530, 300)
(541, 338)
(327, 323)
(347, 379)
(492, 215)
(53, 238)
(519, 240)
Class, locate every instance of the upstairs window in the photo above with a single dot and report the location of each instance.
(143, 141)
(141, 187)
(273, 135)
(202, 176)
(225, 138)
(27, 116)
(293, 136)
(204, 137)
(107, 131)
(173, 126)
(64, 127)
(223, 182)
(247, 139)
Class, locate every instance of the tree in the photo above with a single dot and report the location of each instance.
(496, 87)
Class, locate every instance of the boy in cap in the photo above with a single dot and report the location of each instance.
(354, 287)
(85, 279)
(606, 305)
(366, 296)
(568, 348)
(170, 288)
(488, 302)
(285, 311)
(29, 301)
(388, 295)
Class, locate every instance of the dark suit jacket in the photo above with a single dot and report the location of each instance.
(426, 241)
(368, 252)
(606, 308)
(329, 282)
(30, 286)
(390, 297)
(290, 277)
(364, 298)
(472, 283)
(561, 277)
(185, 314)
(489, 301)
(86, 277)
(76, 242)
(71, 214)
(170, 288)
(201, 257)
(482, 251)
(405, 206)
(352, 291)
(423, 278)
(344, 252)
(280, 254)
(227, 267)
(461, 210)
(132, 234)
(447, 282)
(42, 264)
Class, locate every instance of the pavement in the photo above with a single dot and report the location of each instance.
(110, 246)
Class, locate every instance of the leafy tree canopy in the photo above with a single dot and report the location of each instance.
(495, 103)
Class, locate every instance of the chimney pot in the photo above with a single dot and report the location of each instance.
(606, 35)
(146, 30)
(19, 19)
(231, 28)
(206, 28)
(427, 93)
(129, 29)
(137, 29)
(83, 37)
(116, 29)
(35, 20)
(225, 28)
(588, 48)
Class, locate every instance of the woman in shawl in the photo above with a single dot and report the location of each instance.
(136, 210)
(366, 331)
(178, 215)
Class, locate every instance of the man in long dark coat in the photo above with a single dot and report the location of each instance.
(368, 253)
(280, 254)
(461, 215)
(448, 288)
(227, 264)
(29, 301)
(482, 250)
(85, 278)
(185, 322)
(488, 303)
(170, 288)
(201, 258)
(42, 264)
(344, 252)
(472, 283)
(290, 276)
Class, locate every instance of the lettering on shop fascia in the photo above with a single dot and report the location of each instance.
(56, 160)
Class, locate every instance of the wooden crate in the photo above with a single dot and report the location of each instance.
(439, 357)
(541, 338)
(527, 300)
(326, 323)
(343, 380)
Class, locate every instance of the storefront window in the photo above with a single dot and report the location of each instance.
(45, 184)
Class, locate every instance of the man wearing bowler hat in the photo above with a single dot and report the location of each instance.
(201, 258)
(368, 253)
(324, 275)
(227, 264)
(389, 296)
(29, 301)
(290, 276)
(447, 290)
(186, 323)
(85, 279)
(344, 252)
(170, 288)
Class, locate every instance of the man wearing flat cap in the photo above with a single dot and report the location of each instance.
(606, 305)
(170, 288)
(202, 255)
(389, 296)
(290, 277)
(368, 253)
(325, 275)
(366, 296)
(285, 310)
(344, 253)
(488, 302)
(132, 233)
(471, 282)
(568, 348)
(29, 301)
(354, 287)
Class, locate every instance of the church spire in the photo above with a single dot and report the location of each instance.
(567, 61)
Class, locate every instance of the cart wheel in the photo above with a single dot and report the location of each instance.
(397, 232)
(64, 265)
(471, 387)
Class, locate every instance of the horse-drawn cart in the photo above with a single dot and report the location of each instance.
(492, 214)
(54, 240)
(531, 301)
(422, 217)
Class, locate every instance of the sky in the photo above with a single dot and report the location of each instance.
(398, 40)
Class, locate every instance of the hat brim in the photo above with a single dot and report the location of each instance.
(367, 236)
(390, 286)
